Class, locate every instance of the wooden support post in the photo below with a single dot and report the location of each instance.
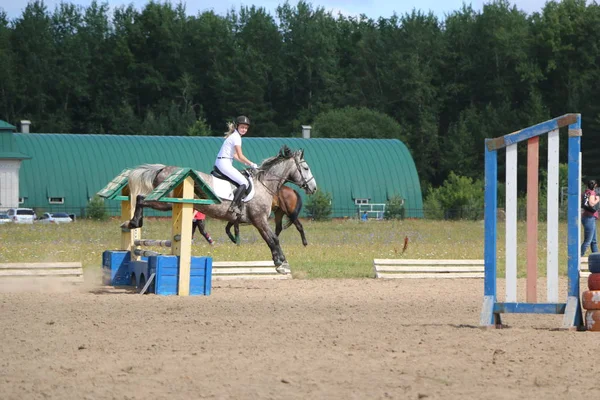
(533, 161)
(182, 225)
(552, 221)
(129, 236)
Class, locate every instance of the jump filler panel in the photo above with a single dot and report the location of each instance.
(162, 270)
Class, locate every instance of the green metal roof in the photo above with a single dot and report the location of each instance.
(5, 126)
(8, 145)
(76, 167)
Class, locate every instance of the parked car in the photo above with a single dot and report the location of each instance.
(4, 218)
(21, 215)
(55, 218)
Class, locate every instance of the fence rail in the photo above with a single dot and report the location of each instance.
(465, 213)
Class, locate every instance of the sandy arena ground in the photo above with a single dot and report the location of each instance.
(296, 339)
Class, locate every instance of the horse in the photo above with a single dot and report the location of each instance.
(286, 166)
(287, 203)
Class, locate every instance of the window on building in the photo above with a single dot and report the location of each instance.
(56, 200)
(21, 200)
(361, 201)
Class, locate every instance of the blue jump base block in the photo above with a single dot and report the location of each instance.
(166, 269)
(115, 268)
(139, 271)
(118, 270)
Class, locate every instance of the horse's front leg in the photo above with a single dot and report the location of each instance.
(138, 215)
(273, 242)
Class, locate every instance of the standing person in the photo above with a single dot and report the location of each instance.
(588, 219)
(230, 150)
(198, 222)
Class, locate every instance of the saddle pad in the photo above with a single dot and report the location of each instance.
(224, 189)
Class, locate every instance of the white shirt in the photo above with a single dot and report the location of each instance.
(228, 147)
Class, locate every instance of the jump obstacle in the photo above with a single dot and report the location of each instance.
(177, 273)
(418, 269)
(60, 272)
(492, 308)
(584, 270)
(229, 270)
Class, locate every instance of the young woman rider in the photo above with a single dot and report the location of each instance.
(230, 150)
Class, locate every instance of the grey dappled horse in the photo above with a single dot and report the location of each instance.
(287, 166)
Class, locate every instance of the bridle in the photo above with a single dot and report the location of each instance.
(305, 182)
(303, 185)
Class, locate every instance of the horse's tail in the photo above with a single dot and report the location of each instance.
(293, 216)
(141, 179)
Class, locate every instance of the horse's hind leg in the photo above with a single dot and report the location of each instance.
(138, 215)
(278, 225)
(301, 230)
(273, 242)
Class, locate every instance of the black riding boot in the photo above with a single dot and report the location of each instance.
(237, 200)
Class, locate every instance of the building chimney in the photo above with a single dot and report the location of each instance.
(25, 126)
(306, 131)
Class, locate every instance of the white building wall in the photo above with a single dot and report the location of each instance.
(9, 184)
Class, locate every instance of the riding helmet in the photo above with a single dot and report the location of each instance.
(242, 119)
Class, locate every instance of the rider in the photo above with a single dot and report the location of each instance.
(232, 148)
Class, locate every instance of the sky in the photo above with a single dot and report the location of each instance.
(371, 8)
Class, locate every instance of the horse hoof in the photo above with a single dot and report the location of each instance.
(126, 226)
(284, 268)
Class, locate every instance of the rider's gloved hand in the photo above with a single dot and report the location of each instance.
(253, 165)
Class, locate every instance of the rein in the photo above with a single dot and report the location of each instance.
(283, 180)
(279, 178)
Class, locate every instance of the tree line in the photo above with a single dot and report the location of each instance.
(439, 85)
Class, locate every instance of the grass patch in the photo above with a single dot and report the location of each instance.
(337, 249)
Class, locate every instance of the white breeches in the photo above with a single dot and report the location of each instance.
(226, 167)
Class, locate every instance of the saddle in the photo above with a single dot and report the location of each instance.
(219, 175)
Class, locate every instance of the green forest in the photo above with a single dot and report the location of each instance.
(439, 85)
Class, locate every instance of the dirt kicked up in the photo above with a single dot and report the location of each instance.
(295, 339)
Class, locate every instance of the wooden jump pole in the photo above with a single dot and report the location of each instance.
(182, 227)
(129, 236)
(533, 161)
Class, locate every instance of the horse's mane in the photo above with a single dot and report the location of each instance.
(284, 154)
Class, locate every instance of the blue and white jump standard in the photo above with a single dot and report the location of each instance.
(492, 308)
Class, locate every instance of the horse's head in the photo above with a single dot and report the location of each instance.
(288, 166)
(302, 175)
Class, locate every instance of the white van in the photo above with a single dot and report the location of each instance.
(21, 215)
